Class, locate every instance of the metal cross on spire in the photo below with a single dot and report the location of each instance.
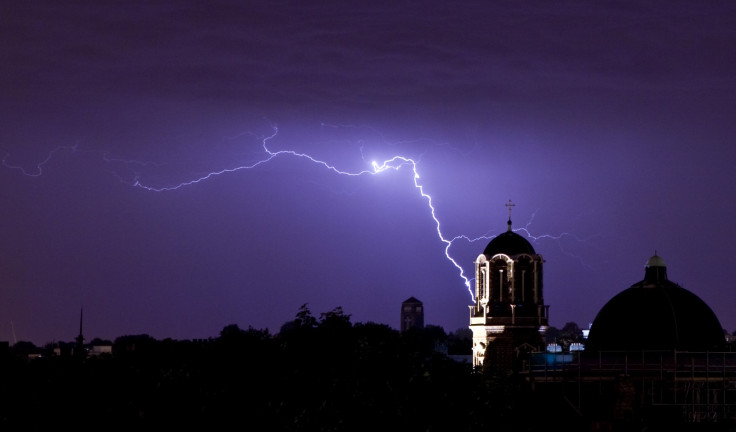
(509, 205)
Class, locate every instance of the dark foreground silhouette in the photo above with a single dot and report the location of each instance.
(324, 374)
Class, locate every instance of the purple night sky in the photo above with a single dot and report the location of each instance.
(610, 125)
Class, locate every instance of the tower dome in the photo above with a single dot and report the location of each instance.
(508, 243)
(655, 314)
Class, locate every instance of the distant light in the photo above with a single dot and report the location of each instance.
(553, 347)
(577, 346)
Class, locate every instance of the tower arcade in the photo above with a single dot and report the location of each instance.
(509, 317)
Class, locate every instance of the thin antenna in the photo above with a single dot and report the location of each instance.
(80, 338)
(15, 338)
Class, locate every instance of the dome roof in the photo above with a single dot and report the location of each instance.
(655, 314)
(508, 243)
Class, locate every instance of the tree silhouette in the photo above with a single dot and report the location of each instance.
(324, 374)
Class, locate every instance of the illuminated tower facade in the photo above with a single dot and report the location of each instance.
(509, 317)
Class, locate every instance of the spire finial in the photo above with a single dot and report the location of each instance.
(80, 338)
(509, 205)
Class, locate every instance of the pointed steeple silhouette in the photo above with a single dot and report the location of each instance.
(79, 348)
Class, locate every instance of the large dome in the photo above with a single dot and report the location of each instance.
(655, 314)
(508, 243)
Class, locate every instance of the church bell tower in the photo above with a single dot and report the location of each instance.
(509, 317)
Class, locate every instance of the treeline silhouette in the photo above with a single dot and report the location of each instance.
(315, 374)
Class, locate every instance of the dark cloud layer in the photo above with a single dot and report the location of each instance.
(610, 124)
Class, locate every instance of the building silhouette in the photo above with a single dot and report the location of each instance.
(655, 314)
(412, 314)
(655, 357)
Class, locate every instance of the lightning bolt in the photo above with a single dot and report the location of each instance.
(394, 163)
(39, 166)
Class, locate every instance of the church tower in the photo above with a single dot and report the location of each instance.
(412, 314)
(509, 317)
